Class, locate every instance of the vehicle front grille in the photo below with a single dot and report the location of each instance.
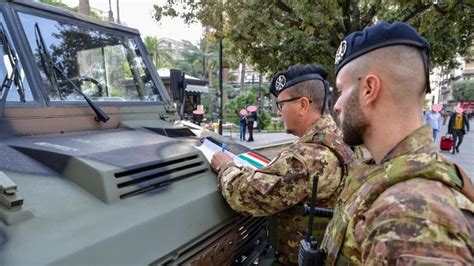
(239, 243)
(173, 132)
(156, 175)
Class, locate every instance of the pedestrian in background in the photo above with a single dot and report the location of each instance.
(242, 123)
(445, 115)
(251, 118)
(408, 205)
(458, 123)
(433, 119)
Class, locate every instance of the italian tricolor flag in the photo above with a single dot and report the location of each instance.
(254, 159)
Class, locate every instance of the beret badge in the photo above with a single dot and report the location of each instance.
(296, 74)
(280, 82)
(340, 52)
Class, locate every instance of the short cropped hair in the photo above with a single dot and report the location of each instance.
(313, 89)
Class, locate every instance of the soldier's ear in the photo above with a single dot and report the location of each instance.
(370, 89)
(304, 104)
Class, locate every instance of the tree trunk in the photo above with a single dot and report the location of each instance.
(225, 73)
(213, 100)
(242, 76)
(205, 60)
(84, 7)
(225, 78)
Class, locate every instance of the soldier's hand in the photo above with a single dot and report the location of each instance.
(218, 159)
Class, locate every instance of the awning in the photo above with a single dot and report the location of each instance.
(197, 88)
(193, 84)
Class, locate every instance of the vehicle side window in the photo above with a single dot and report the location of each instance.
(104, 66)
(6, 67)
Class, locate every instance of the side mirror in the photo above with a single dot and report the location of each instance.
(177, 83)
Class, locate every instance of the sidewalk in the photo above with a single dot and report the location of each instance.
(261, 139)
(465, 157)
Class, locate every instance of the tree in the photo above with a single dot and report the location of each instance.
(463, 90)
(160, 54)
(276, 34)
(202, 62)
(242, 100)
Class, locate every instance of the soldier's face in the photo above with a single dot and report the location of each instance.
(353, 122)
(288, 112)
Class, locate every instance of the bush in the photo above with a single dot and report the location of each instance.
(264, 119)
(241, 101)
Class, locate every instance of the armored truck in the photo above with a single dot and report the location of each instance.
(95, 166)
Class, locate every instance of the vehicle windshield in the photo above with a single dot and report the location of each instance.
(6, 64)
(105, 66)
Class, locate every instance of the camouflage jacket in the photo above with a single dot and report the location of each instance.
(409, 209)
(287, 180)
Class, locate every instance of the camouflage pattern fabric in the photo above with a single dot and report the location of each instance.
(285, 183)
(407, 210)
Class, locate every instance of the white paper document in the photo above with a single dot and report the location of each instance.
(250, 159)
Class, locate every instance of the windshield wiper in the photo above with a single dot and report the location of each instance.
(50, 69)
(13, 71)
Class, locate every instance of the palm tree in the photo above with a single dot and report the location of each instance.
(151, 45)
(160, 54)
(84, 7)
(242, 75)
(209, 57)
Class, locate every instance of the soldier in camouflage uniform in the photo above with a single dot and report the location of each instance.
(282, 186)
(407, 205)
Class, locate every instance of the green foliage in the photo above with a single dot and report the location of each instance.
(160, 55)
(447, 25)
(463, 90)
(231, 92)
(241, 101)
(264, 119)
(276, 125)
(252, 96)
(273, 35)
(192, 62)
(201, 61)
(210, 103)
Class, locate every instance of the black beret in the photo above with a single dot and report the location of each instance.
(378, 36)
(296, 74)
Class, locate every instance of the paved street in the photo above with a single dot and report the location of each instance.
(465, 157)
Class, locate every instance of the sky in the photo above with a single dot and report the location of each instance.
(138, 14)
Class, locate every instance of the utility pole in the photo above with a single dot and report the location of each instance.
(221, 77)
(118, 13)
(221, 87)
(111, 13)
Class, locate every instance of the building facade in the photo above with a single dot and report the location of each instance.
(442, 79)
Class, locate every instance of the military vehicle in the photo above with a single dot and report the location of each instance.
(95, 166)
